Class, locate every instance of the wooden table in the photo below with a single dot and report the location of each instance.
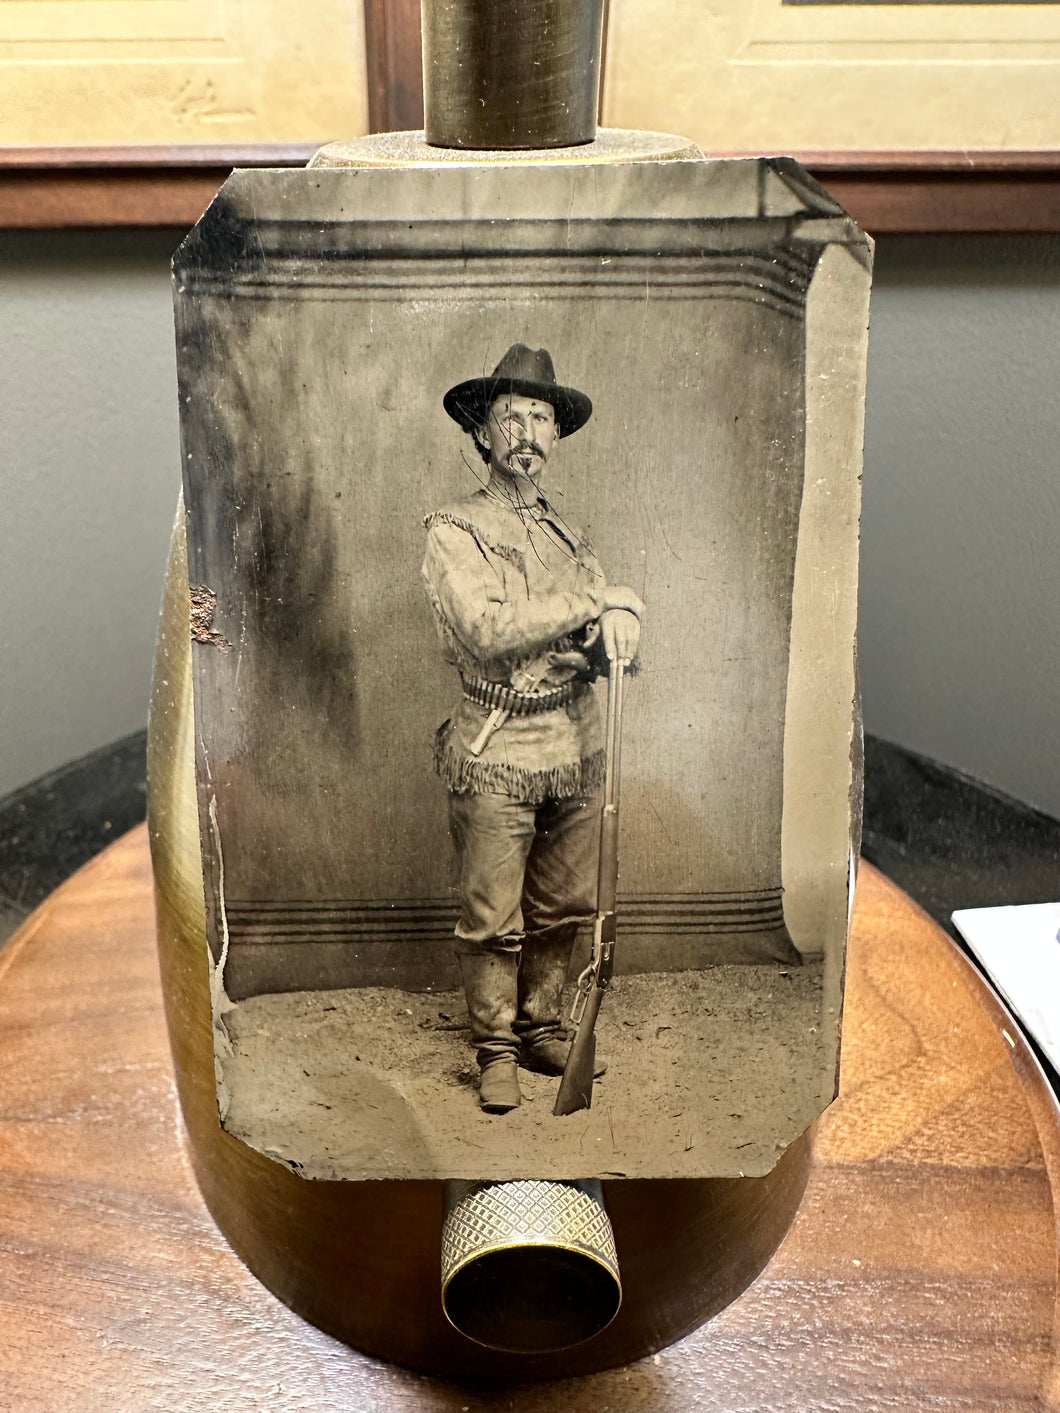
(921, 1272)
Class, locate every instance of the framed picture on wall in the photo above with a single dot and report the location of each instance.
(178, 72)
(838, 76)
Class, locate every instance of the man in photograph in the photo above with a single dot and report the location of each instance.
(526, 616)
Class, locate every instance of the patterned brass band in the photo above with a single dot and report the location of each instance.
(486, 1218)
(498, 695)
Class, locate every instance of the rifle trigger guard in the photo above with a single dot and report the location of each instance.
(586, 982)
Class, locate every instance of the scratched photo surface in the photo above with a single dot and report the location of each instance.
(318, 334)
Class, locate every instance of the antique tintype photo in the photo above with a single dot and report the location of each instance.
(493, 525)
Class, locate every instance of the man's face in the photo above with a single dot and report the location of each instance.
(519, 434)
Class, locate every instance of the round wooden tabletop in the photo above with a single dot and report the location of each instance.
(920, 1273)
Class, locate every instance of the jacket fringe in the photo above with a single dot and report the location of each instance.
(464, 775)
(508, 552)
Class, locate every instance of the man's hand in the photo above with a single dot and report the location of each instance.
(621, 633)
(618, 596)
(620, 623)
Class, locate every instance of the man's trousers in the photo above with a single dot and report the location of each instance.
(523, 868)
(527, 878)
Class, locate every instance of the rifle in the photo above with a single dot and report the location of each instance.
(576, 1086)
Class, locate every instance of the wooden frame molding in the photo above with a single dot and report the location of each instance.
(62, 187)
(395, 73)
(886, 193)
(944, 192)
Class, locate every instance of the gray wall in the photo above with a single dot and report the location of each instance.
(960, 588)
(89, 472)
(961, 530)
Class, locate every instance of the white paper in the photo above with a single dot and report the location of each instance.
(1020, 949)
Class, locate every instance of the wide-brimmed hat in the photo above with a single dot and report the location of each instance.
(522, 370)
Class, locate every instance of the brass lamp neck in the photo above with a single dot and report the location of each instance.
(511, 74)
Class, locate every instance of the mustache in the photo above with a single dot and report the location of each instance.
(525, 448)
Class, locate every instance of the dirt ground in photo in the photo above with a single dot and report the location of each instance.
(709, 1073)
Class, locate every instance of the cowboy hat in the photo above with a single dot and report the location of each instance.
(525, 371)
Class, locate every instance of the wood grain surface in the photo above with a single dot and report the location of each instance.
(920, 1273)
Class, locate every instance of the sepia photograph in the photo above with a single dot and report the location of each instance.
(493, 533)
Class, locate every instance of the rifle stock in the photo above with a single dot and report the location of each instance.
(576, 1086)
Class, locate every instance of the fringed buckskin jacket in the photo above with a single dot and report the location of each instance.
(509, 586)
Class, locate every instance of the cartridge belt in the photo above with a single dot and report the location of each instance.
(494, 695)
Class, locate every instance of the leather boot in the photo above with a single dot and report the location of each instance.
(490, 989)
(543, 967)
(498, 1087)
